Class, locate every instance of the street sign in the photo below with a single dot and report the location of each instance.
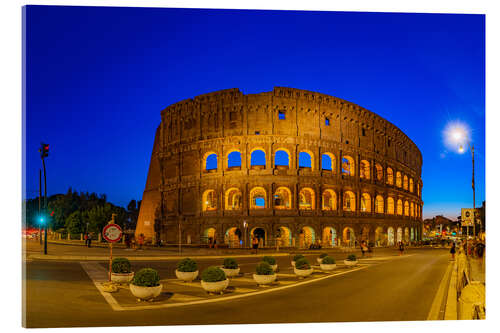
(467, 217)
(112, 233)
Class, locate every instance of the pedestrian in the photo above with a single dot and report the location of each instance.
(255, 244)
(86, 237)
(89, 239)
(452, 251)
(363, 248)
(140, 241)
(210, 242)
(215, 243)
(401, 248)
(127, 241)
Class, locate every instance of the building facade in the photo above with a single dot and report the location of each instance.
(291, 167)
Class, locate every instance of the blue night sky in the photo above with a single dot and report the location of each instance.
(97, 79)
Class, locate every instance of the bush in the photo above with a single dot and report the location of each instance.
(187, 265)
(270, 260)
(120, 265)
(297, 257)
(328, 260)
(146, 277)
(302, 263)
(213, 274)
(351, 257)
(230, 263)
(264, 268)
(322, 255)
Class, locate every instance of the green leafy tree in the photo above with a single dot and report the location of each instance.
(74, 223)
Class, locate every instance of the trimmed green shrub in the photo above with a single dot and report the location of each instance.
(297, 257)
(270, 260)
(187, 265)
(351, 257)
(146, 277)
(302, 263)
(213, 274)
(322, 255)
(230, 263)
(264, 268)
(328, 260)
(120, 265)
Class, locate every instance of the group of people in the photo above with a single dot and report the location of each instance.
(365, 248)
(475, 248)
(135, 244)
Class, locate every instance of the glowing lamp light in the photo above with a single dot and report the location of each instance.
(456, 134)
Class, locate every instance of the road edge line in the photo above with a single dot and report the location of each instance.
(440, 294)
(107, 296)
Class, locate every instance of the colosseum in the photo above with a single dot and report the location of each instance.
(290, 167)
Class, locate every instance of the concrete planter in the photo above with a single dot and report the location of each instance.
(231, 272)
(122, 277)
(186, 276)
(215, 287)
(145, 293)
(350, 263)
(303, 272)
(264, 279)
(327, 267)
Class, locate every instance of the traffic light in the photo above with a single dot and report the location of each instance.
(41, 219)
(44, 150)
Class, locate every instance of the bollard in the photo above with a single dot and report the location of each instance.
(69, 236)
(99, 237)
(81, 237)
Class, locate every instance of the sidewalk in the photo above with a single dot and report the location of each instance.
(477, 269)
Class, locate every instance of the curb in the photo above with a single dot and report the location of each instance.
(451, 299)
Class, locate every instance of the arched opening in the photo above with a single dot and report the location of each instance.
(412, 210)
(399, 235)
(348, 165)
(329, 200)
(281, 158)
(380, 237)
(407, 208)
(412, 234)
(282, 198)
(305, 160)
(390, 176)
(306, 199)
(379, 171)
(390, 236)
(405, 182)
(411, 185)
(399, 179)
(258, 198)
(364, 169)
(348, 237)
(209, 235)
(379, 204)
(390, 205)
(257, 159)
(365, 234)
(329, 237)
(407, 235)
(234, 160)
(210, 161)
(306, 237)
(209, 200)
(233, 237)
(260, 234)
(365, 203)
(233, 199)
(400, 207)
(328, 162)
(349, 204)
(285, 237)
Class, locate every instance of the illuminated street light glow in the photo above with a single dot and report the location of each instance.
(456, 134)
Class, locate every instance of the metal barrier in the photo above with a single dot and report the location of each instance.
(470, 295)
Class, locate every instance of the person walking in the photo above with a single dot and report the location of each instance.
(255, 244)
(140, 241)
(363, 248)
(452, 251)
(401, 248)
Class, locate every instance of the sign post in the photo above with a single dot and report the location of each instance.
(111, 233)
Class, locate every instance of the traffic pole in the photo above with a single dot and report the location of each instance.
(110, 260)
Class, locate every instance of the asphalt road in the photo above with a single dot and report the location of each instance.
(60, 294)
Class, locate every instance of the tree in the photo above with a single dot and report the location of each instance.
(74, 223)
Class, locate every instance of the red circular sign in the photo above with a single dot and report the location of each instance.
(112, 233)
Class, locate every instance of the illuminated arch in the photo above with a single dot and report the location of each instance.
(405, 182)
(233, 199)
(307, 237)
(328, 162)
(257, 157)
(380, 172)
(210, 161)
(390, 176)
(379, 204)
(407, 235)
(208, 235)
(233, 159)
(348, 165)
(232, 237)
(258, 198)
(209, 200)
(306, 199)
(390, 236)
(380, 237)
(390, 205)
(399, 235)
(282, 198)
(366, 206)
(364, 169)
(412, 209)
(282, 157)
(398, 179)
(400, 207)
(348, 237)
(306, 159)
(285, 237)
(329, 237)
(329, 200)
(407, 208)
(349, 204)
(411, 185)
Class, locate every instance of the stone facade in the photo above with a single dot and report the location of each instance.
(359, 176)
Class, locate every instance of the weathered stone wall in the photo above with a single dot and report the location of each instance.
(224, 121)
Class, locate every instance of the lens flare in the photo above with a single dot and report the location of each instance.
(456, 136)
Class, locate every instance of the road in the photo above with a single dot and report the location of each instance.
(60, 294)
